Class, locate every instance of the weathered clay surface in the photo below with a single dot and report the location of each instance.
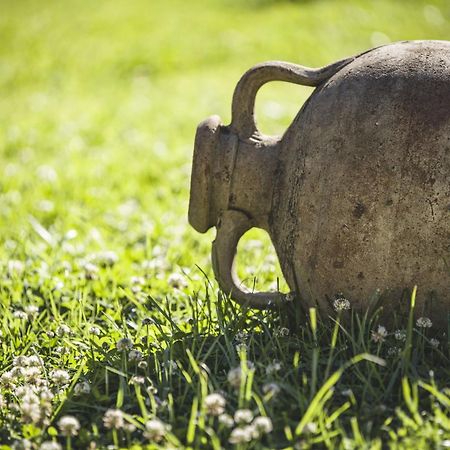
(355, 195)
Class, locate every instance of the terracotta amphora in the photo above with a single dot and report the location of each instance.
(355, 195)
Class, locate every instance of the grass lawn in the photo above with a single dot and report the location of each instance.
(113, 333)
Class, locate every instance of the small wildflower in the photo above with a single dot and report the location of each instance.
(113, 418)
(31, 310)
(50, 445)
(69, 425)
(60, 377)
(263, 424)
(215, 404)
(243, 416)
(90, 271)
(63, 330)
(177, 281)
(273, 367)
(155, 430)
(379, 335)
(95, 331)
(434, 343)
(142, 365)
(394, 351)
(281, 332)
(129, 427)
(240, 436)
(424, 322)
(234, 377)
(82, 388)
(19, 314)
(341, 304)
(15, 267)
(400, 335)
(106, 258)
(124, 344)
(226, 420)
(271, 388)
(170, 365)
(136, 379)
(135, 355)
(310, 428)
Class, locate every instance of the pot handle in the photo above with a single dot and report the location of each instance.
(230, 228)
(242, 114)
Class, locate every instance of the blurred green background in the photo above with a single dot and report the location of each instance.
(100, 101)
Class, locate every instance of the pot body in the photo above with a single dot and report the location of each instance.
(361, 203)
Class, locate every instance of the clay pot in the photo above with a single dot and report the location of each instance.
(355, 195)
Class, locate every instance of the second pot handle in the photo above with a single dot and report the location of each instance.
(242, 114)
(232, 225)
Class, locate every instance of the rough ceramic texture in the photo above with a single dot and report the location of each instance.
(355, 195)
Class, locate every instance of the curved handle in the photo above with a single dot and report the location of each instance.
(230, 228)
(242, 114)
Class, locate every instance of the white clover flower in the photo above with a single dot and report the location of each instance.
(400, 335)
(47, 173)
(310, 428)
(177, 281)
(90, 271)
(155, 430)
(124, 344)
(31, 310)
(95, 331)
(215, 404)
(241, 435)
(136, 379)
(394, 351)
(142, 365)
(273, 367)
(234, 377)
(31, 410)
(113, 418)
(242, 416)
(106, 258)
(63, 330)
(15, 267)
(434, 343)
(379, 335)
(341, 304)
(69, 425)
(19, 314)
(60, 377)
(281, 332)
(263, 424)
(424, 322)
(226, 420)
(241, 337)
(50, 445)
(135, 355)
(170, 365)
(82, 388)
(271, 388)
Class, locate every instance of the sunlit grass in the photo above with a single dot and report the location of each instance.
(98, 109)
